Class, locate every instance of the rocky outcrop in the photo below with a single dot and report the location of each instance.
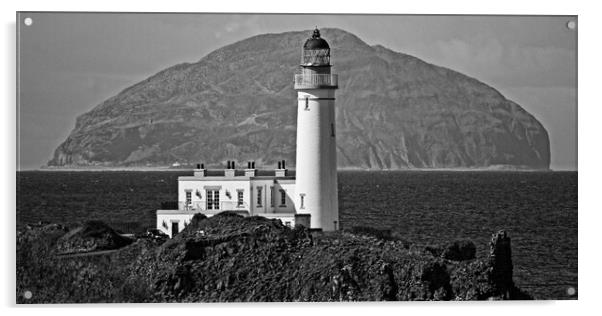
(500, 259)
(460, 250)
(394, 111)
(229, 258)
(91, 236)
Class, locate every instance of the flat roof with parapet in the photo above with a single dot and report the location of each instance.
(239, 174)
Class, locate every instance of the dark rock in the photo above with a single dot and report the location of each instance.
(389, 286)
(460, 250)
(256, 259)
(436, 278)
(91, 236)
(433, 250)
(501, 263)
(228, 214)
(488, 279)
(394, 111)
(370, 231)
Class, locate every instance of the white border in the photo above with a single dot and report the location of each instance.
(589, 150)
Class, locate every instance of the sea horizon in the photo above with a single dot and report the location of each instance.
(168, 169)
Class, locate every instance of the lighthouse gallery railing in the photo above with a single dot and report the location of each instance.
(316, 81)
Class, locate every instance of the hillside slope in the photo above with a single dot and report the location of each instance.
(394, 111)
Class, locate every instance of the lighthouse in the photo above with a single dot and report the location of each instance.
(310, 199)
(316, 194)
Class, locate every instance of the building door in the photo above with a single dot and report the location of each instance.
(175, 229)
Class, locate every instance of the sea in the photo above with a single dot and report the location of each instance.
(537, 209)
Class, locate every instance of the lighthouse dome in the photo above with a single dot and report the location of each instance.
(316, 51)
(316, 42)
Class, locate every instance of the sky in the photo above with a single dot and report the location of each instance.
(70, 62)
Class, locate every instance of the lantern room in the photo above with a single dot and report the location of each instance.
(314, 71)
(316, 51)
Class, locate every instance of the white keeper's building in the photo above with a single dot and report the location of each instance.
(310, 198)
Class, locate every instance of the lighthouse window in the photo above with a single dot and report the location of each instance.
(272, 196)
(240, 198)
(282, 198)
(302, 196)
(306, 104)
(212, 199)
(332, 129)
(259, 196)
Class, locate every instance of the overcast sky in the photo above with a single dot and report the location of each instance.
(71, 62)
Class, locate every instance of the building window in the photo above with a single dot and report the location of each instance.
(272, 196)
(212, 199)
(302, 196)
(240, 198)
(282, 198)
(188, 197)
(259, 196)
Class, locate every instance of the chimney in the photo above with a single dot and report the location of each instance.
(250, 171)
(229, 172)
(200, 170)
(281, 171)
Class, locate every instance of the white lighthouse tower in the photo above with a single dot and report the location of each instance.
(316, 193)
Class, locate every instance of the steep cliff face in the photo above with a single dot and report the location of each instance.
(394, 111)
